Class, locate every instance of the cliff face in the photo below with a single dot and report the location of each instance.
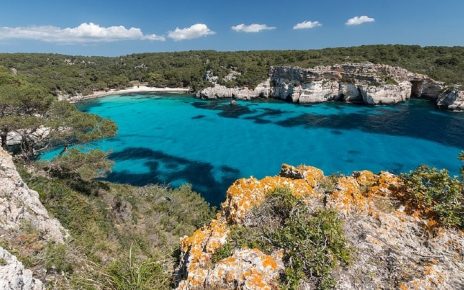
(20, 209)
(366, 83)
(393, 246)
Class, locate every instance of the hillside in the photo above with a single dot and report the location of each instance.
(81, 74)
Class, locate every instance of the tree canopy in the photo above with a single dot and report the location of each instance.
(82, 74)
(26, 110)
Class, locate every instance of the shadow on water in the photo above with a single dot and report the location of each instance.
(415, 118)
(411, 121)
(165, 169)
(226, 110)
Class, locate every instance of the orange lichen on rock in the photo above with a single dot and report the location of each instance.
(379, 218)
(347, 196)
(311, 174)
(247, 269)
(247, 193)
(199, 247)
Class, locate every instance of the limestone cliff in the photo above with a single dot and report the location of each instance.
(20, 209)
(366, 83)
(394, 246)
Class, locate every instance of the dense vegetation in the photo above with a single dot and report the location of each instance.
(74, 74)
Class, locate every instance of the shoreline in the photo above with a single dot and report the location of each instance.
(130, 90)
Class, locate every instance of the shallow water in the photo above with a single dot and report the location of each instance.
(178, 139)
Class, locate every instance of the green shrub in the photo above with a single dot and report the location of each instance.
(429, 189)
(314, 245)
(2, 262)
(313, 242)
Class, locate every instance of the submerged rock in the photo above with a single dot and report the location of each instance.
(391, 248)
(451, 99)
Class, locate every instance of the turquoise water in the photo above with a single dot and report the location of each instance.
(178, 139)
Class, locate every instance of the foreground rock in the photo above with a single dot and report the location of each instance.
(14, 276)
(367, 83)
(392, 248)
(21, 213)
(20, 205)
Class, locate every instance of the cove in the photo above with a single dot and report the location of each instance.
(175, 139)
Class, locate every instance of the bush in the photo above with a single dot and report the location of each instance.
(314, 242)
(435, 193)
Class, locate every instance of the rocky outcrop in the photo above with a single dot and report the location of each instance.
(14, 276)
(220, 91)
(452, 99)
(19, 204)
(22, 213)
(365, 83)
(362, 82)
(393, 249)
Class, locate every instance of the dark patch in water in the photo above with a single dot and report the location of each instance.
(354, 152)
(198, 117)
(407, 120)
(336, 132)
(226, 110)
(267, 112)
(165, 169)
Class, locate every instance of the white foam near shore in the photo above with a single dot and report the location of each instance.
(130, 90)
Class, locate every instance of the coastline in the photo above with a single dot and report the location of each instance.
(129, 90)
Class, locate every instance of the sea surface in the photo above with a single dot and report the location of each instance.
(174, 139)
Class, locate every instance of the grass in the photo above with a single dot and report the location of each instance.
(122, 237)
(2, 262)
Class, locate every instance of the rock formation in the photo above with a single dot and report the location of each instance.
(20, 209)
(367, 83)
(220, 91)
(19, 204)
(393, 249)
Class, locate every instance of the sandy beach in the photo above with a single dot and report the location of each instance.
(130, 90)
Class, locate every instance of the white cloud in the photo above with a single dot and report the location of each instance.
(194, 31)
(251, 28)
(307, 25)
(358, 20)
(84, 33)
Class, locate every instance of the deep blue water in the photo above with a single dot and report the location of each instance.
(178, 139)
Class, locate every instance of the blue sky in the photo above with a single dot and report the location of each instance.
(41, 26)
